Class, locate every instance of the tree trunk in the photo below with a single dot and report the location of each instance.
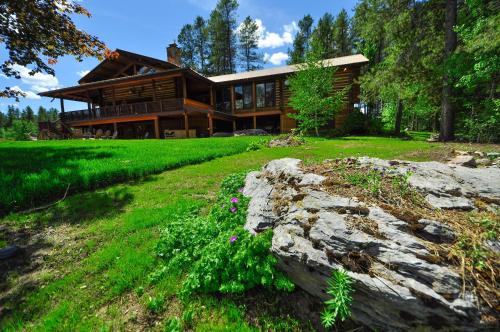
(399, 116)
(446, 132)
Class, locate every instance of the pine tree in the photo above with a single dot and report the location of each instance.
(28, 114)
(222, 26)
(12, 115)
(323, 33)
(248, 35)
(201, 45)
(52, 114)
(301, 41)
(187, 46)
(42, 114)
(342, 35)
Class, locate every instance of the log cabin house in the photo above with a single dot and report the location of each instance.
(135, 96)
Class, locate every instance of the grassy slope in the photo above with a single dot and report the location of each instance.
(32, 173)
(89, 279)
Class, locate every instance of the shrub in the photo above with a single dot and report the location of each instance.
(217, 253)
(21, 130)
(340, 288)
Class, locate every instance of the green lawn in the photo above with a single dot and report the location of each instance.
(32, 173)
(98, 248)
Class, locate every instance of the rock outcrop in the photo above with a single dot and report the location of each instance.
(398, 285)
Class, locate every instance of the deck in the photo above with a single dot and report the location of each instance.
(149, 109)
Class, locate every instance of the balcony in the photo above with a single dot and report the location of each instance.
(160, 107)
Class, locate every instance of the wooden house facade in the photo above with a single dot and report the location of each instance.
(135, 96)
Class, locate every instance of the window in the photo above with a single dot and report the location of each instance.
(223, 100)
(243, 96)
(266, 94)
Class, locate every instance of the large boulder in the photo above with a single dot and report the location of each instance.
(398, 283)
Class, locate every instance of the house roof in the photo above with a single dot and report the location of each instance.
(108, 68)
(340, 61)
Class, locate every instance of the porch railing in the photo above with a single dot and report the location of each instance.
(160, 106)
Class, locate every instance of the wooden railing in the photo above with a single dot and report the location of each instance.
(150, 107)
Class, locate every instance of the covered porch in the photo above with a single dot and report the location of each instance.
(177, 102)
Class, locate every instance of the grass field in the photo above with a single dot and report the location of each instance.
(88, 266)
(32, 173)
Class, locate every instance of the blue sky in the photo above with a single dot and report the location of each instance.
(148, 26)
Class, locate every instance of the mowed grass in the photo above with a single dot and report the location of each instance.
(32, 173)
(101, 253)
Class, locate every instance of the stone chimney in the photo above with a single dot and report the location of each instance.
(174, 54)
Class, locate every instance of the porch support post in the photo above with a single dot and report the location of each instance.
(210, 124)
(234, 125)
(254, 122)
(186, 124)
(115, 127)
(157, 127)
(114, 97)
(282, 123)
(212, 99)
(184, 87)
(62, 105)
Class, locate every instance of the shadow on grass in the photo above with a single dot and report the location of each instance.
(31, 176)
(47, 244)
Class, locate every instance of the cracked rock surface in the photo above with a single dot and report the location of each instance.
(397, 286)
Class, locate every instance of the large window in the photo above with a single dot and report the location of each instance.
(266, 94)
(223, 100)
(243, 96)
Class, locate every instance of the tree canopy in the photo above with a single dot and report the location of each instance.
(38, 33)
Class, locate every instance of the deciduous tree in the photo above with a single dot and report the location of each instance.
(38, 33)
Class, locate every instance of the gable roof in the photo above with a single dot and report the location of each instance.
(109, 68)
(340, 61)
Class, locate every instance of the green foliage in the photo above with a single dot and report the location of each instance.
(257, 145)
(248, 34)
(21, 130)
(217, 253)
(302, 40)
(312, 93)
(156, 304)
(340, 288)
(173, 325)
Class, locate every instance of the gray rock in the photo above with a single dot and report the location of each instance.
(483, 162)
(251, 132)
(463, 160)
(398, 286)
(435, 231)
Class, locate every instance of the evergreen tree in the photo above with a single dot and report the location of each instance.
(201, 45)
(248, 35)
(342, 35)
(222, 26)
(42, 114)
(324, 34)
(301, 41)
(28, 114)
(52, 114)
(187, 46)
(12, 115)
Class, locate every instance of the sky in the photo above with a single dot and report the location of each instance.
(148, 26)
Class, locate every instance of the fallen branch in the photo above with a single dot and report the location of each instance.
(48, 205)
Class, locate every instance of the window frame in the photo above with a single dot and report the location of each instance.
(269, 100)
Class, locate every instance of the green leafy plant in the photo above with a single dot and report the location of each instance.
(340, 288)
(173, 325)
(216, 252)
(156, 304)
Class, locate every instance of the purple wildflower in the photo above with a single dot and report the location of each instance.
(233, 209)
(233, 239)
(234, 200)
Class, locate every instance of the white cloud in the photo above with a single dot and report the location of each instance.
(28, 94)
(276, 59)
(39, 81)
(82, 73)
(273, 39)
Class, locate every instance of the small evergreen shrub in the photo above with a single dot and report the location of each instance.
(340, 288)
(216, 252)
